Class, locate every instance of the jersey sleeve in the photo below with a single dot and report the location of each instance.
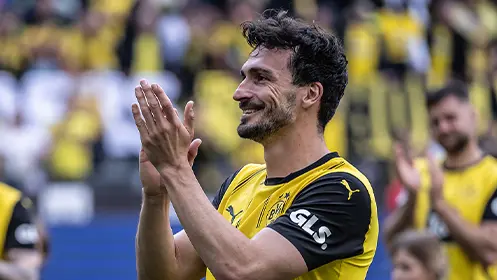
(216, 201)
(328, 220)
(490, 213)
(22, 231)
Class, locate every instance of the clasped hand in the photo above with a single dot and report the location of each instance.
(166, 141)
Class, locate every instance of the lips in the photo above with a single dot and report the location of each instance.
(249, 108)
(249, 111)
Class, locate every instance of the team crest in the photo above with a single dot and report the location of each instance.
(277, 208)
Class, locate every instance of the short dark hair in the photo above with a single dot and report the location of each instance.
(455, 88)
(318, 55)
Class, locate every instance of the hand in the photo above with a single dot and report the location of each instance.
(408, 175)
(149, 175)
(436, 180)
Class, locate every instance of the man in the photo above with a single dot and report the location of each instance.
(305, 214)
(20, 258)
(458, 199)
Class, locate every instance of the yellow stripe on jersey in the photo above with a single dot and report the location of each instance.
(326, 210)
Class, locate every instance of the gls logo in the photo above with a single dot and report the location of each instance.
(304, 219)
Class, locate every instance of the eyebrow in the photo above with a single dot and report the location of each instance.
(261, 71)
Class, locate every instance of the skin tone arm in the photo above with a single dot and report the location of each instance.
(159, 254)
(22, 264)
(478, 242)
(223, 247)
(400, 220)
(220, 245)
(403, 217)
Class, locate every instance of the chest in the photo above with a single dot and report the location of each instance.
(468, 192)
(252, 208)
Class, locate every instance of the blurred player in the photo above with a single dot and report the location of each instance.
(19, 237)
(306, 214)
(417, 256)
(456, 200)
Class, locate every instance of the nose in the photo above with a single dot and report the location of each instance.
(242, 93)
(444, 127)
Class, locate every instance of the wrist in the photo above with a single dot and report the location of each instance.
(438, 204)
(153, 198)
(172, 175)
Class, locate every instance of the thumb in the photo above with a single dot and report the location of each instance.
(143, 156)
(193, 150)
(436, 172)
(188, 118)
(432, 162)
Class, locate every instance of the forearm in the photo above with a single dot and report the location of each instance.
(220, 245)
(155, 250)
(12, 271)
(467, 235)
(400, 220)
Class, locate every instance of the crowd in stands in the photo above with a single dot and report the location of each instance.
(68, 69)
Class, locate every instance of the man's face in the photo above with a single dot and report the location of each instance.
(453, 123)
(266, 94)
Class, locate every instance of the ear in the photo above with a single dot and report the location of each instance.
(312, 95)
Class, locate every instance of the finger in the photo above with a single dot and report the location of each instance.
(402, 153)
(189, 118)
(193, 150)
(167, 105)
(431, 161)
(152, 102)
(434, 169)
(140, 122)
(399, 152)
(144, 108)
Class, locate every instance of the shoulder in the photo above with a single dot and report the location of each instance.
(347, 175)
(491, 163)
(9, 195)
(330, 218)
(7, 189)
(487, 170)
(340, 186)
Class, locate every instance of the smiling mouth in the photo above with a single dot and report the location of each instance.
(247, 112)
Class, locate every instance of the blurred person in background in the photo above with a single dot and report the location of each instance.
(417, 256)
(23, 149)
(306, 203)
(20, 254)
(71, 154)
(455, 199)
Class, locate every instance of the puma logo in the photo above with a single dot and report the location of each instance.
(346, 184)
(231, 211)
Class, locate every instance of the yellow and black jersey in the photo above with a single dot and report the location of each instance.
(472, 191)
(326, 210)
(18, 228)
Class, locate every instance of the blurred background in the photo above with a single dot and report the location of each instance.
(68, 69)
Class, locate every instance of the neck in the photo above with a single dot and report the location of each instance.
(471, 154)
(293, 150)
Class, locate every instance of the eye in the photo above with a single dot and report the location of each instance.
(259, 78)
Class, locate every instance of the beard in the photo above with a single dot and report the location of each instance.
(267, 121)
(455, 144)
